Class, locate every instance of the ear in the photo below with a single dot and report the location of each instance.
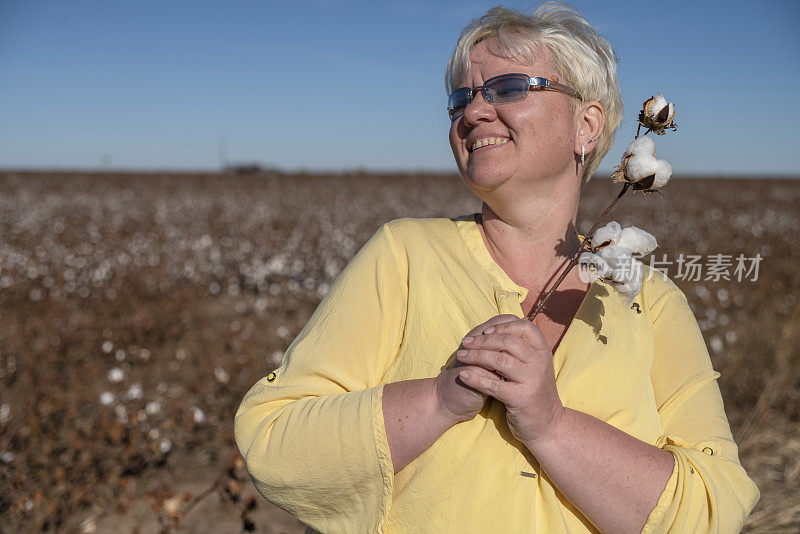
(591, 119)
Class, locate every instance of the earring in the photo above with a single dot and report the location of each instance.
(583, 154)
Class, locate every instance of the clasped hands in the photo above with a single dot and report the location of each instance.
(508, 359)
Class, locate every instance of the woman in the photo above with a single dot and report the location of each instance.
(418, 398)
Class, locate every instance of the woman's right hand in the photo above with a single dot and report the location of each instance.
(455, 398)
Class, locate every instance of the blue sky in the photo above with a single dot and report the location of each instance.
(337, 84)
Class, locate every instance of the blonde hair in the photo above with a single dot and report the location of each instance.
(583, 59)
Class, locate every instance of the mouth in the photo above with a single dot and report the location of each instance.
(488, 141)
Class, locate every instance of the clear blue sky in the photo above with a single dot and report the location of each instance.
(337, 84)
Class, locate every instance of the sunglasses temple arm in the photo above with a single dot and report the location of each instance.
(555, 86)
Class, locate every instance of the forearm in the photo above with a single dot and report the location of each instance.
(614, 479)
(414, 419)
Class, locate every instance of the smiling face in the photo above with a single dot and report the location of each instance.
(518, 143)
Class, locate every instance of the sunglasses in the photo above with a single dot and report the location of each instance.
(501, 90)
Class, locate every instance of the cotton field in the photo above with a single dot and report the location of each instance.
(136, 311)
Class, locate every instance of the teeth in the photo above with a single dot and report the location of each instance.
(489, 141)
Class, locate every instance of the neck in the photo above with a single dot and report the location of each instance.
(532, 239)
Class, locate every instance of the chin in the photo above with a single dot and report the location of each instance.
(483, 176)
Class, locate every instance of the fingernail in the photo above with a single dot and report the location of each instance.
(461, 353)
(467, 339)
(464, 375)
(489, 330)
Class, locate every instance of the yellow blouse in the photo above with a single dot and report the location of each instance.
(312, 433)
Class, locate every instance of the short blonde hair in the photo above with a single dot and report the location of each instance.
(583, 59)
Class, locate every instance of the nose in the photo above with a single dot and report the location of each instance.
(478, 109)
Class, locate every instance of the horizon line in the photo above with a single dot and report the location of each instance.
(232, 171)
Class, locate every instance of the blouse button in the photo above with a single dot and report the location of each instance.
(271, 377)
(709, 451)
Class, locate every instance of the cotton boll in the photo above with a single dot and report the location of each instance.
(152, 408)
(617, 266)
(106, 398)
(134, 392)
(612, 259)
(637, 241)
(643, 171)
(115, 375)
(198, 415)
(641, 166)
(221, 375)
(641, 145)
(657, 114)
(609, 232)
(654, 106)
(5, 413)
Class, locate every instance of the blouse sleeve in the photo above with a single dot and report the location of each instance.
(312, 433)
(709, 490)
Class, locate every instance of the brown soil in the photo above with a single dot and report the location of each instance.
(191, 286)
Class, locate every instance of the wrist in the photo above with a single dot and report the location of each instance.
(441, 410)
(549, 438)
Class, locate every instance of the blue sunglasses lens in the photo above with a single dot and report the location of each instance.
(507, 88)
(457, 102)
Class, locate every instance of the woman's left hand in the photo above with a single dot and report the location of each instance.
(517, 351)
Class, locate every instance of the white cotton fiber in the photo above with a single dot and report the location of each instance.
(641, 145)
(631, 287)
(641, 166)
(598, 267)
(619, 259)
(637, 241)
(614, 262)
(609, 232)
(663, 173)
(655, 104)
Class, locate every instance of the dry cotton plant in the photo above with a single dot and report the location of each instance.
(608, 252)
